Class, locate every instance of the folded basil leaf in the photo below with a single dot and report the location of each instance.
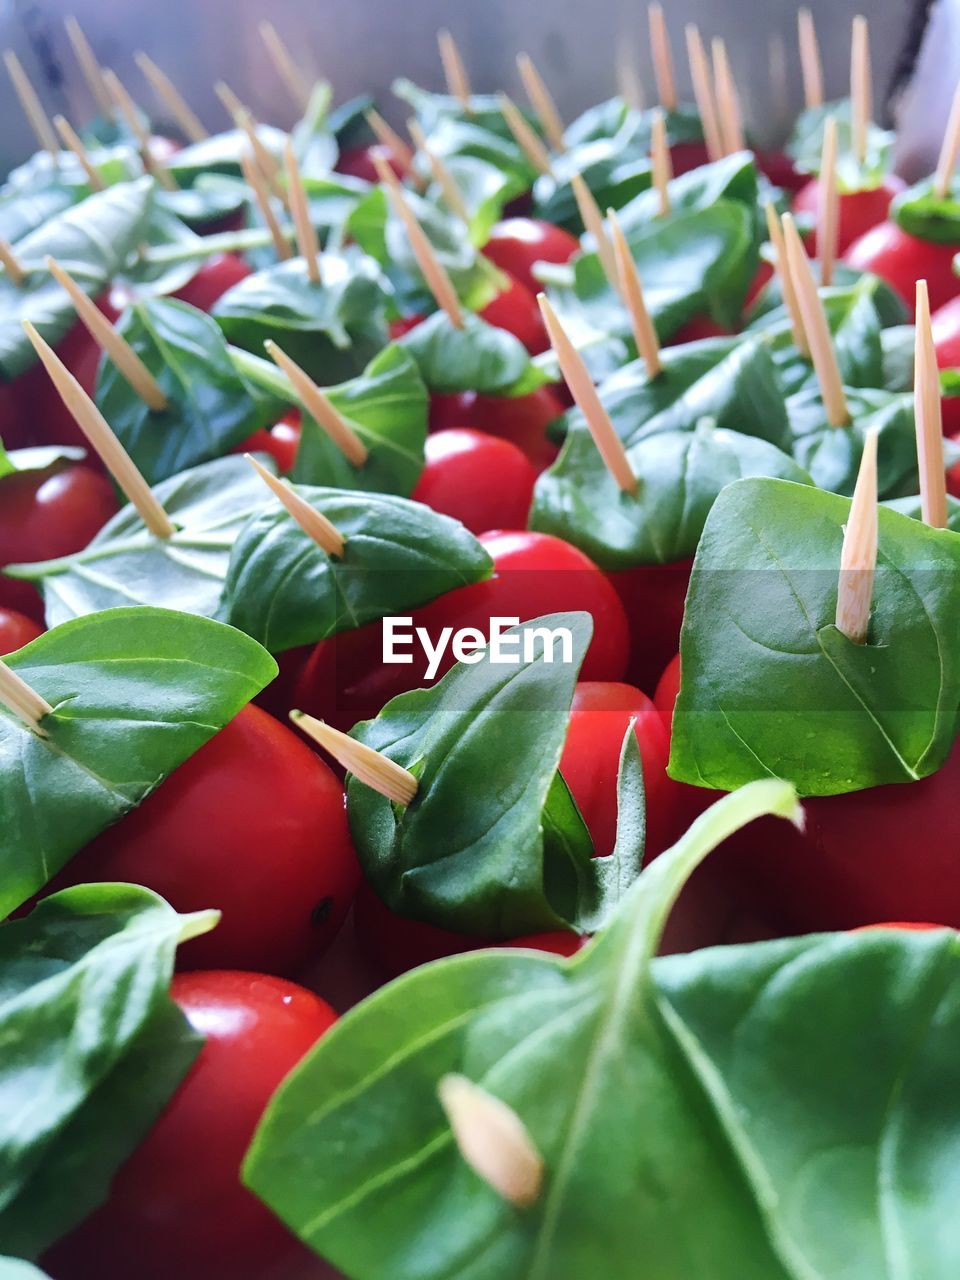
(22, 211)
(210, 408)
(126, 564)
(734, 178)
(805, 147)
(332, 329)
(91, 240)
(134, 692)
(926, 215)
(890, 306)
(283, 590)
(832, 454)
(475, 357)
(348, 121)
(486, 190)
(100, 958)
(162, 231)
(508, 855)
(221, 153)
(474, 277)
(772, 687)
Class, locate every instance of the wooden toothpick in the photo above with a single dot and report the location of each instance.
(113, 343)
(389, 138)
(253, 176)
(89, 66)
(947, 160)
(581, 386)
(431, 268)
(775, 236)
(858, 558)
(11, 264)
(169, 96)
(815, 327)
(307, 244)
(444, 179)
(230, 100)
(313, 523)
(36, 116)
(370, 767)
(631, 290)
(728, 103)
(542, 102)
(319, 407)
(286, 68)
(21, 699)
(266, 161)
(455, 73)
(861, 92)
(71, 139)
(525, 137)
(493, 1140)
(828, 222)
(662, 58)
(131, 115)
(102, 438)
(810, 65)
(929, 417)
(629, 84)
(703, 92)
(592, 220)
(660, 157)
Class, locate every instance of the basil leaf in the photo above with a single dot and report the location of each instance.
(897, 344)
(732, 178)
(912, 507)
(126, 564)
(924, 214)
(486, 190)
(509, 858)
(805, 147)
(771, 687)
(134, 692)
(473, 276)
(17, 1269)
(100, 958)
(890, 306)
(283, 590)
(313, 141)
(433, 109)
(213, 198)
(141, 277)
(23, 211)
(221, 153)
(91, 240)
(476, 357)
(210, 408)
(331, 329)
(348, 121)
(37, 457)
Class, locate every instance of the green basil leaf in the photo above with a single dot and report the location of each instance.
(221, 153)
(142, 277)
(211, 199)
(17, 1269)
(100, 958)
(462, 140)
(313, 140)
(38, 457)
(510, 857)
(911, 507)
(91, 240)
(126, 564)
(924, 214)
(772, 687)
(485, 189)
(134, 692)
(732, 178)
(476, 357)
(331, 329)
(897, 344)
(22, 211)
(434, 109)
(890, 306)
(283, 590)
(473, 276)
(805, 147)
(348, 121)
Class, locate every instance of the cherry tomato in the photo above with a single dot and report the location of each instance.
(946, 341)
(403, 324)
(46, 514)
(653, 596)
(902, 260)
(517, 244)
(281, 441)
(254, 824)
(953, 475)
(14, 421)
(16, 630)
(217, 274)
(599, 717)
(911, 926)
(516, 309)
(177, 1206)
(346, 680)
(695, 330)
(523, 420)
(859, 210)
(778, 167)
(357, 162)
(763, 276)
(49, 419)
(685, 156)
(559, 943)
(668, 687)
(480, 480)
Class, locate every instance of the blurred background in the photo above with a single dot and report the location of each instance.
(362, 45)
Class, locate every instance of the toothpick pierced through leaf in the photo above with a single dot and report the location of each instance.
(858, 557)
(370, 767)
(631, 290)
(444, 179)
(493, 1140)
(308, 245)
(928, 414)
(525, 137)
(313, 523)
(71, 139)
(22, 700)
(816, 328)
(660, 158)
(319, 407)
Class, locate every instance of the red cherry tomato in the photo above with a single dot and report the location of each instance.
(653, 596)
(599, 718)
(14, 421)
(45, 514)
(218, 274)
(516, 309)
(49, 419)
(254, 824)
(397, 328)
(685, 156)
(902, 260)
(517, 244)
(480, 480)
(16, 630)
(559, 943)
(281, 441)
(357, 162)
(668, 687)
(695, 330)
(953, 475)
(946, 341)
(523, 420)
(346, 680)
(859, 210)
(761, 279)
(779, 168)
(177, 1206)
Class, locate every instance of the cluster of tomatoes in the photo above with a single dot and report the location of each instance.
(254, 823)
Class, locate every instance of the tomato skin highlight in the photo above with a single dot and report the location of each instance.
(523, 420)
(901, 260)
(945, 324)
(16, 630)
(253, 823)
(653, 596)
(46, 514)
(859, 210)
(481, 480)
(281, 442)
(517, 244)
(516, 310)
(177, 1206)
